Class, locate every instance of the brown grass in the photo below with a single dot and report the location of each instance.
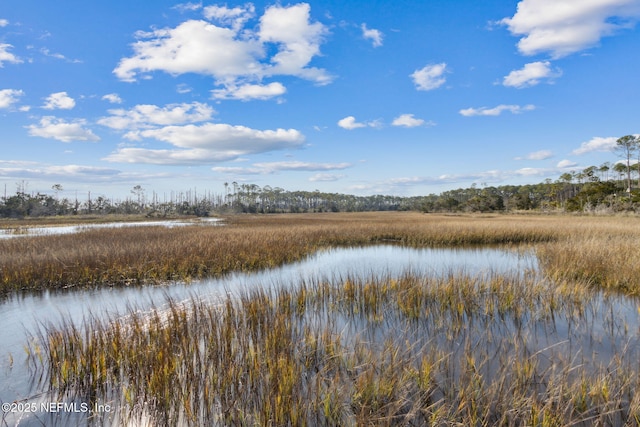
(595, 249)
(456, 350)
(410, 351)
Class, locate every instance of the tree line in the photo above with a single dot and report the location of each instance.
(606, 188)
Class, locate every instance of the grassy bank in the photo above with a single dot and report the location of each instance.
(411, 351)
(597, 250)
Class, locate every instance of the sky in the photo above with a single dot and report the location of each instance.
(398, 97)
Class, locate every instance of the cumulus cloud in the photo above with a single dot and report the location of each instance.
(147, 116)
(192, 47)
(3, 22)
(59, 101)
(496, 111)
(250, 91)
(6, 56)
(375, 36)
(563, 27)
(298, 41)
(596, 144)
(8, 97)
(530, 75)
(350, 123)
(206, 143)
(113, 98)
(235, 54)
(429, 77)
(408, 121)
(62, 130)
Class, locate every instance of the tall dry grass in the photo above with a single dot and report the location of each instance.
(156, 254)
(456, 350)
(598, 250)
(412, 351)
(602, 252)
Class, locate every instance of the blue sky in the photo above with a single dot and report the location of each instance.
(378, 97)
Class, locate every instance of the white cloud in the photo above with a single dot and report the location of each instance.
(188, 7)
(375, 36)
(147, 116)
(493, 176)
(537, 155)
(6, 56)
(235, 18)
(236, 54)
(193, 47)
(113, 98)
(530, 75)
(408, 121)
(430, 77)
(250, 91)
(3, 22)
(59, 101)
(562, 27)
(326, 177)
(62, 130)
(47, 52)
(274, 167)
(596, 144)
(201, 144)
(298, 40)
(301, 166)
(496, 111)
(8, 97)
(562, 164)
(183, 88)
(24, 170)
(530, 172)
(350, 123)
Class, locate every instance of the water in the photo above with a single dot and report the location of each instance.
(22, 316)
(8, 233)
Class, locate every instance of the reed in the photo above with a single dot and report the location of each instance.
(491, 350)
(148, 255)
(388, 351)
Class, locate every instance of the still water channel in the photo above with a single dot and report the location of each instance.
(21, 316)
(25, 231)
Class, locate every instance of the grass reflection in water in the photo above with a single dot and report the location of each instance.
(414, 350)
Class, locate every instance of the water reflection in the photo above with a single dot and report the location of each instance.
(594, 331)
(22, 315)
(23, 231)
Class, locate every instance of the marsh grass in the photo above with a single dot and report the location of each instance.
(526, 349)
(596, 250)
(456, 350)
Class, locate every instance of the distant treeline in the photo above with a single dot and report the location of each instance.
(593, 189)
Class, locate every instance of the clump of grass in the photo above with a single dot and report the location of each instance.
(608, 262)
(385, 351)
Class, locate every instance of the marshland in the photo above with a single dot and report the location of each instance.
(544, 331)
